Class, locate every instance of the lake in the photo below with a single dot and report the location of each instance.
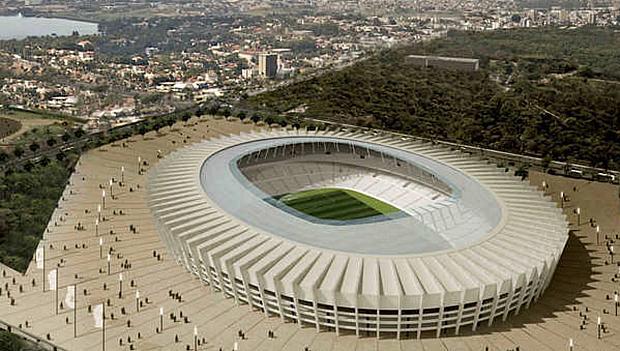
(20, 27)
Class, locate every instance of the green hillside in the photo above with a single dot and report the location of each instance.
(550, 92)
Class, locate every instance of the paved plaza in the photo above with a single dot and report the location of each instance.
(569, 308)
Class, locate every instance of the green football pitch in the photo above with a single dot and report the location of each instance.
(336, 204)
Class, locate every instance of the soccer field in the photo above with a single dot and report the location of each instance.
(336, 204)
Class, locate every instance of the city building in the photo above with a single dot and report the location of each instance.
(458, 63)
(267, 65)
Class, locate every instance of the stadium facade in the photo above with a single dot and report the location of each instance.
(471, 244)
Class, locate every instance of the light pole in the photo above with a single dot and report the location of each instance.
(99, 212)
(195, 338)
(55, 273)
(161, 319)
(43, 261)
(571, 344)
(74, 310)
(111, 195)
(561, 199)
(611, 253)
(122, 174)
(103, 197)
(120, 285)
(578, 216)
(109, 258)
(100, 247)
(139, 162)
(616, 302)
(598, 230)
(137, 301)
(96, 226)
(598, 327)
(103, 325)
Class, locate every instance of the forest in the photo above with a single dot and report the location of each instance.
(545, 92)
(29, 191)
(27, 199)
(12, 342)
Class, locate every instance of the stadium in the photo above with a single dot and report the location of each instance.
(357, 232)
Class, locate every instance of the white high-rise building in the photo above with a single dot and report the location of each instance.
(267, 65)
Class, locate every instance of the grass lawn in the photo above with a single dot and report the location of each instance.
(35, 127)
(336, 204)
(43, 125)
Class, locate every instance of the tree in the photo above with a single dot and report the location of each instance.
(241, 115)
(255, 117)
(78, 133)
(18, 152)
(65, 137)
(51, 142)
(28, 166)
(170, 122)
(3, 156)
(212, 110)
(142, 130)
(11, 342)
(186, 117)
(158, 126)
(45, 161)
(34, 147)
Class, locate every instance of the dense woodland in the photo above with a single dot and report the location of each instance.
(30, 191)
(547, 92)
(27, 199)
(11, 342)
